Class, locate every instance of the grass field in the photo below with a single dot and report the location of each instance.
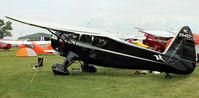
(16, 74)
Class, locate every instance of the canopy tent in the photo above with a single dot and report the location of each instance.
(25, 52)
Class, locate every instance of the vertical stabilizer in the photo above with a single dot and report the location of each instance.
(181, 53)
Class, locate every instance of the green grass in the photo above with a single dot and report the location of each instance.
(16, 74)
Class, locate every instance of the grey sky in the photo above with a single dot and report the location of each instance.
(114, 15)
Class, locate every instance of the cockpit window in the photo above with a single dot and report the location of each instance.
(100, 42)
(86, 38)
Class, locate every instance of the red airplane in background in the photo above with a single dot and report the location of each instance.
(5, 46)
(160, 40)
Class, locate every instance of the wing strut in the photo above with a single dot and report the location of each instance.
(59, 37)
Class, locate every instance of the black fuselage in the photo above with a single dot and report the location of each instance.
(103, 51)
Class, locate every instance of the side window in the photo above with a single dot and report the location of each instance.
(86, 38)
(99, 41)
(66, 35)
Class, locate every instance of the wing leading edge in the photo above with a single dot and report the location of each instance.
(58, 27)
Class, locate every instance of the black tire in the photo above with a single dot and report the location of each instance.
(58, 69)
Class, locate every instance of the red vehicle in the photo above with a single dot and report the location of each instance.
(5, 46)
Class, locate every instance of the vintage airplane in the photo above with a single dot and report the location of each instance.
(105, 49)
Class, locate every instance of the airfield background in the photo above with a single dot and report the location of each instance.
(36, 37)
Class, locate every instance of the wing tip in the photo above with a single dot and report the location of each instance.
(8, 17)
(11, 18)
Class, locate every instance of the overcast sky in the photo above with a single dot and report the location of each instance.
(113, 15)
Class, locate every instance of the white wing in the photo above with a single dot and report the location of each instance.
(158, 33)
(58, 27)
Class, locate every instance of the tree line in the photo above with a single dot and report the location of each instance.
(5, 28)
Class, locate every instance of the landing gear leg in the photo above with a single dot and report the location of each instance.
(168, 76)
(86, 67)
(61, 69)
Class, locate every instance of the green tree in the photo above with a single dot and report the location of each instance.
(5, 28)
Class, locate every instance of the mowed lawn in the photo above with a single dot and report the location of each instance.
(16, 74)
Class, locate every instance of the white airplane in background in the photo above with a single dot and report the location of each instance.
(35, 45)
(20, 42)
(160, 33)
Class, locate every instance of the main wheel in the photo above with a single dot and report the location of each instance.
(58, 69)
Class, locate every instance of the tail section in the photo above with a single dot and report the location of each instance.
(181, 54)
